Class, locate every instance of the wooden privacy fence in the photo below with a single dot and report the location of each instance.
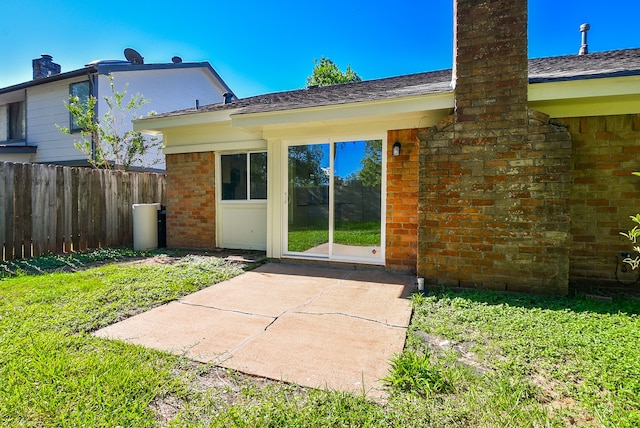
(55, 209)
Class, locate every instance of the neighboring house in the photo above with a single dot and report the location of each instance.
(30, 111)
(517, 179)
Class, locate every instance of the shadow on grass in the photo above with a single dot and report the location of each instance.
(575, 303)
(73, 262)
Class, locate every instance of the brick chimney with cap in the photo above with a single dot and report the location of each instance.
(44, 67)
(494, 176)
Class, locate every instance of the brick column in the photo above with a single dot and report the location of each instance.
(191, 200)
(402, 202)
(494, 177)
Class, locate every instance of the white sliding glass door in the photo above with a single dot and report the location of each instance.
(334, 201)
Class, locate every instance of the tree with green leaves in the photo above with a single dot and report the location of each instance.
(305, 163)
(326, 73)
(105, 141)
(371, 172)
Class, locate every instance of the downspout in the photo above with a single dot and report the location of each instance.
(26, 120)
(454, 70)
(93, 89)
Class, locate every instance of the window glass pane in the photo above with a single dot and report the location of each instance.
(234, 177)
(357, 198)
(17, 121)
(80, 90)
(308, 204)
(258, 165)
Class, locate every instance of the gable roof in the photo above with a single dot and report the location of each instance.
(561, 68)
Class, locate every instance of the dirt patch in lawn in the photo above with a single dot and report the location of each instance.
(171, 257)
(220, 385)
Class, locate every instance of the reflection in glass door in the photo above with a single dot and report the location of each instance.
(308, 199)
(335, 200)
(357, 195)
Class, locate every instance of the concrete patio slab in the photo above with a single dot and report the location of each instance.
(329, 351)
(256, 293)
(200, 333)
(315, 326)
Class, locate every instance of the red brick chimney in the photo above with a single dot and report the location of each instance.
(494, 177)
(490, 61)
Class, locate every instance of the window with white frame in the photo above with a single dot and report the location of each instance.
(81, 91)
(244, 176)
(16, 121)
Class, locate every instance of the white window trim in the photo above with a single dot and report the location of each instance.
(218, 178)
(381, 259)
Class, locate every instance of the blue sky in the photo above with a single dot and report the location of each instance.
(260, 46)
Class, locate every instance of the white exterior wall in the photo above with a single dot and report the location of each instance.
(16, 157)
(166, 90)
(45, 108)
(3, 123)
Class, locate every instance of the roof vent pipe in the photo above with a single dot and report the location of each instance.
(228, 97)
(584, 48)
(197, 104)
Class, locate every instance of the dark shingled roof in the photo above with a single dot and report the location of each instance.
(591, 66)
(570, 67)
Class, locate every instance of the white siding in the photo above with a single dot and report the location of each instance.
(166, 90)
(3, 123)
(45, 109)
(16, 157)
(242, 225)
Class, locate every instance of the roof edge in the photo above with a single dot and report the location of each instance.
(106, 68)
(44, 80)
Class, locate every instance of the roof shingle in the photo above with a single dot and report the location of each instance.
(569, 67)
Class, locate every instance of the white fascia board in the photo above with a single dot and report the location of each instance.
(355, 127)
(155, 125)
(589, 97)
(594, 106)
(217, 147)
(345, 111)
(209, 133)
(586, 88)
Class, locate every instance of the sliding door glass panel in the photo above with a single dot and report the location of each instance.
(357, 199)
(308, 199)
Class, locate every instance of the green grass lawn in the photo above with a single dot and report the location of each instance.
(522, 360)
(361, 234)
(472, 359)
(54, 373)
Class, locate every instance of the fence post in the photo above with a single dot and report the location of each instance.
(60, 210)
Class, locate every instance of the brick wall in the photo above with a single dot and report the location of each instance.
(491, 65)
(494, 177)
(604, 194)
(191, 200)
(495, 215)
(402, 201)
